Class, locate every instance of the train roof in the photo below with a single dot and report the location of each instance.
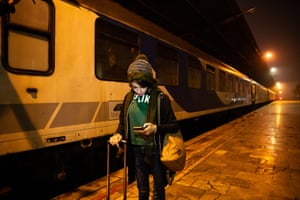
(217, 27)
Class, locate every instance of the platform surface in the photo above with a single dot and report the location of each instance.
(255, 157)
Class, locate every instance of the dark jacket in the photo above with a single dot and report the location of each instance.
(168, 123)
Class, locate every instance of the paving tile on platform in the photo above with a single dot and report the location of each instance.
(184, 192)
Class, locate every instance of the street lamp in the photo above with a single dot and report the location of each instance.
(268, 55)
(278, 85)
(273, 70)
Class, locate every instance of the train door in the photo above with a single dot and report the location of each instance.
(27, 62)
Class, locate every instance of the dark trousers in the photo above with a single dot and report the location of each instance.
(147, 161)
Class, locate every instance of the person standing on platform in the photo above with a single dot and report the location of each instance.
(138, 125)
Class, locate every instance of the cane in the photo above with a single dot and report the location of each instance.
(124, 171)
(108, 172)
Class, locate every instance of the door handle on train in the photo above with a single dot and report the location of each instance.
(32, 92)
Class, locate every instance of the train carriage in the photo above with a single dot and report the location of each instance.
(63, 77)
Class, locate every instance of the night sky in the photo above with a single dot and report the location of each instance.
(275, 25)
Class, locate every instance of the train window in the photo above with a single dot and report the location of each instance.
(167, 65)
(211, 77)
(115, 49)
(243, 87)
(222, 81)
(194, 73)
(230, 81)
(236, 85)
(28, 36)
(248, 88)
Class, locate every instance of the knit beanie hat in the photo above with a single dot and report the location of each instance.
(141, 69)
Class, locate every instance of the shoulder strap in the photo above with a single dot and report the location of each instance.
(159, 96)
